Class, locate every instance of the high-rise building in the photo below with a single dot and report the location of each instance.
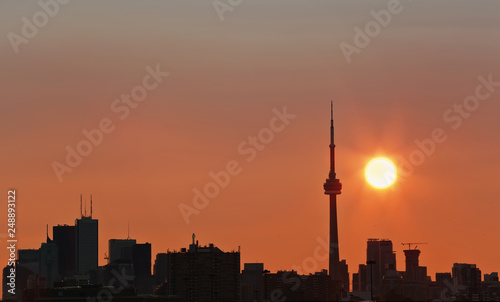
(120, 249)
(333, 188)
(204, 273)
(290, 286)
(141, 261)
(29, 259)
(160, 268)
(412, 268)
(64, 238)
(344, 273)
(14, 283)
(359, 279)
(49, 262)
(380, 251)
(467, 276)
(414, 272)
(490, 289)
(86, 243)
(444, 280)
(252, 282)
(491, 278)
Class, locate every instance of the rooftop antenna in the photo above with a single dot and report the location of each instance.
(47, 232)
(85, 207)
(90, 205)
(128, 230)
(81, 206)
(193, 237)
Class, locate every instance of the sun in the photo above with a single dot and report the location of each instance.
(381, 173)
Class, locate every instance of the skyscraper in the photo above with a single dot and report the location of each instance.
(467, 276)
(160, 268)
(141, 261)
(333, 187)
(64, 238)
(291, 286)
(204, 273)
(86, 237)
(359, 279)
(49, 262)
(120, 249)
(412, 273)
(252, 282)
(380, 251)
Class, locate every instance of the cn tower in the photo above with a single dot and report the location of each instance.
(333, 187)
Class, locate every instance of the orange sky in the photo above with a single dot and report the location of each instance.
(225, 79)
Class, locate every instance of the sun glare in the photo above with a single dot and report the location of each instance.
(380, 173)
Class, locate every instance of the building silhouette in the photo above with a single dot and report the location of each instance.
(141, 262)
(416, 282)
(344, 276)
(359, 279)
(120, 249)
(86, 239)
(412, 273)
(131, 258)
(204, 273)
(490, 289)
(29, 259)
(380, 251)
(64, 238)
(252, 282)
(290, 286)
(467, 278)
(49, 260)
(160, 269)
(22, 275)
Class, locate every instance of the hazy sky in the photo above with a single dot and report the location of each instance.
(225, 79)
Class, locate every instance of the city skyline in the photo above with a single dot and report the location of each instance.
(226, 80)
(132, 263)
(332, 187)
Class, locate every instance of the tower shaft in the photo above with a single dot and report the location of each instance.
(334, 260)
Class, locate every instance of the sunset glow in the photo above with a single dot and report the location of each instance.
(381, 173)
(215, 118)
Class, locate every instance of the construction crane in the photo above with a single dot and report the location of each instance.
(413, 243)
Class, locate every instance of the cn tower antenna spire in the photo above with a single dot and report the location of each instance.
(331, 127)
(332, 109)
